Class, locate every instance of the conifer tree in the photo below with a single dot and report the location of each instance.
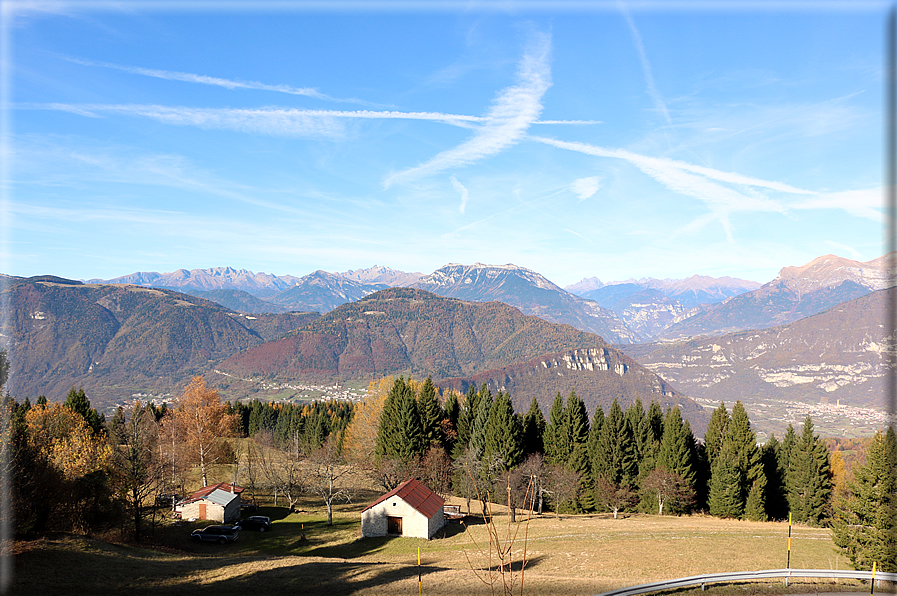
(809, 481)
(647, 437)
(615, 454)
(676, 454)
(556, 436)
(533, 429)
(430, 413)
(477, 441)
(725, 493)
(466, 417)
(741, 441)
(77, 402)
(716, 431)
(594, 440)
(504, 434)
(578, 423)
(776, 497)
(755, 506)
(865, 521)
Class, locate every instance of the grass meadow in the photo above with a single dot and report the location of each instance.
(576, 554)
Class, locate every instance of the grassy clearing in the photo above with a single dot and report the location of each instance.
(571, 555)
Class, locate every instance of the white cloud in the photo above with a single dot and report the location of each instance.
(464, 194)
(646, 66)
(207, 80)
(267, 121)
(866, 203)
(586, 187)
(506, 122)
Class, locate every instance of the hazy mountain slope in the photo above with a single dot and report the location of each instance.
(831, 356)
(218, 278)
(118, 339)
(238, 300)
(382, 275)
(322, 292)
(797, 292)
(528, 291)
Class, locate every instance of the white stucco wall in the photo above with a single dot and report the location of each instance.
(414, 523)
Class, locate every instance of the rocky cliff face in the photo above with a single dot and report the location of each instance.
(833, 356)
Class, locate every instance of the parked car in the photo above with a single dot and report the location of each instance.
(255, 522)
(222, 534)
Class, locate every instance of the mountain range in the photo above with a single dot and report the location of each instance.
(634, 311)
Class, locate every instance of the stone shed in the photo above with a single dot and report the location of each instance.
(217, 502)
(410, 509)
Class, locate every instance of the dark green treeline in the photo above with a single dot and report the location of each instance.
(632, 459)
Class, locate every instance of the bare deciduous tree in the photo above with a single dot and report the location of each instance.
(281, 468)
(328, 470)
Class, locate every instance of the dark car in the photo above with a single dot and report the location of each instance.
(255, 522)
(222, 534)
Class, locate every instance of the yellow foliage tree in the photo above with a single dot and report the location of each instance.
(202, 424)
(361, 436)
(64, 437)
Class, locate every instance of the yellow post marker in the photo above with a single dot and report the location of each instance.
(418, 572)
(788, 565)
(872, 588)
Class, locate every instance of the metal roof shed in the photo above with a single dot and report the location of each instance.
(410, 509)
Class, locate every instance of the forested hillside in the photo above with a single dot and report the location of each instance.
(115, 340)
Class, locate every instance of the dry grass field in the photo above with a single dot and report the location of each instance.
(572, 555)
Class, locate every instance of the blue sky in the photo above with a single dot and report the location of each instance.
(601, 139)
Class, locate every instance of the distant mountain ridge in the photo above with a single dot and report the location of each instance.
(622, 312)
(529, 291)
(797, 292)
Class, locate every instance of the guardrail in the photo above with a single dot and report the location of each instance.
(717, 578)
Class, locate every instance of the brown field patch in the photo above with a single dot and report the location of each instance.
(585, 554)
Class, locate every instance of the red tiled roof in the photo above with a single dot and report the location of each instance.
(415, 494)
(207, 490)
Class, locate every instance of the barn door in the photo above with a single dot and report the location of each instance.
(394, 525)
(202, 511)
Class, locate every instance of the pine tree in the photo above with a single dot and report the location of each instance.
(556, 436)
(740, 440)
(430, 413)
(466, 417)
(865, 522)
(648, 437)
(504, 434)
(533, 429)
(676, 453)
(716, 430)
(755, 506)
(808, 480)
(615, 458)
(578, 423)
(77, 402)
(477, 441)
(594, 440)
(725, 493)
(776, 497)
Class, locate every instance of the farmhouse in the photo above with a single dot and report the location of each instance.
(217, 502)
(410, 509)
